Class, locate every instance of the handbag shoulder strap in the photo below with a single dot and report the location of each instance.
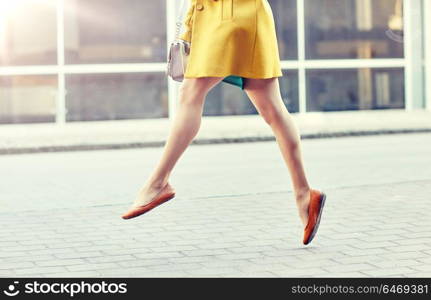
(180, 17)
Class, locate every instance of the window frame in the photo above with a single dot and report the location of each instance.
(417, 85)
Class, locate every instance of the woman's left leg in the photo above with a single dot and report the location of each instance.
(265, 96)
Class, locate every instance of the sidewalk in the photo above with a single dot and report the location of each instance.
(234, 213)
(23, 138)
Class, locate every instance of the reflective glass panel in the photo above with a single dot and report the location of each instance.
(116, 96)
(27, 99)
(112, 31)
(28, 32)
(354, 89)
(353, 29)
(284, 12)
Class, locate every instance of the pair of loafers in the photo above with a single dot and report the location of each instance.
(315, 208)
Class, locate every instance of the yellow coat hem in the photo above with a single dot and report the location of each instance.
(242, 74)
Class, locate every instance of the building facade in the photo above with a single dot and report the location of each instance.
(79, 60)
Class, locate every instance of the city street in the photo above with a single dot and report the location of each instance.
(234, 213)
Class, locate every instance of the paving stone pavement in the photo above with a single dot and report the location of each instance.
(368, 228)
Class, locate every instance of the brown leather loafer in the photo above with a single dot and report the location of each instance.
(315, 208)
(164, 195)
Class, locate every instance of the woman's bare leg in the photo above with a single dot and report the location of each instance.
(185, 126)
(265, 96)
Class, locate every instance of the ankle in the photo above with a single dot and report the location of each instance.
(302, 194)
(156, 183)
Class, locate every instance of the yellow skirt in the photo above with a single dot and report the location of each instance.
(231, 38)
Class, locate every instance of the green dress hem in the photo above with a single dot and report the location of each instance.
(235, 80)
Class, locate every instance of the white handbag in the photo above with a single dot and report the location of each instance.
(179, 51)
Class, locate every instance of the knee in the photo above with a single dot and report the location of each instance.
(191, 94)
(272, 114)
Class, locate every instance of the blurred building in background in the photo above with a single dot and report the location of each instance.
(84, 60)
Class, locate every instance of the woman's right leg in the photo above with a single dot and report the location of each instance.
(185, 126)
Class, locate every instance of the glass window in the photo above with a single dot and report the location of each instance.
(28, 32)
(289, 90)
(26, 99)
(116, 96)
(354, 89)
(226, 99)
(112, 31)
(284, 12)
(353, 29)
